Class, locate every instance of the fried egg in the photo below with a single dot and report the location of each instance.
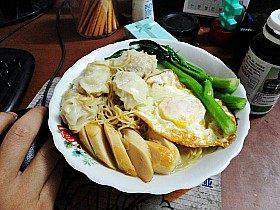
(175, 113)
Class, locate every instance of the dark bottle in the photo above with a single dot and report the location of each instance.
(260, 70)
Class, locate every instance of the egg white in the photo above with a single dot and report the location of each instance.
(175, 113)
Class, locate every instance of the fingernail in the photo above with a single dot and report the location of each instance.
(14, 114)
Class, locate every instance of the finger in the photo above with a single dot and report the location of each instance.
(18, 140)
(40, 168)
(51, 187)
(6, 119)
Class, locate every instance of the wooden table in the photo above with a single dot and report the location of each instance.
(251, 181)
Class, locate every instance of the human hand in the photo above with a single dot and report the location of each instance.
(37, 186)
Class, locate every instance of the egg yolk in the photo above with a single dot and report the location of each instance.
(181, 110)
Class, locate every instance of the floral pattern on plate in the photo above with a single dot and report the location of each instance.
(71, 143)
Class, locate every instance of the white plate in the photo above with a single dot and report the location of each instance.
(191, 176)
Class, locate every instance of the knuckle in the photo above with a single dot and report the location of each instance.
(20, 131)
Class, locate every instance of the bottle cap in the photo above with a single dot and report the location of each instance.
(271, 30)
(274, 21)
(180, 24)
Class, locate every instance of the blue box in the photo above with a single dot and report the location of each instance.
(148, 28)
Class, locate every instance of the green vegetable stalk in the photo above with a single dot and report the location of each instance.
(232, 102)
(166, 53)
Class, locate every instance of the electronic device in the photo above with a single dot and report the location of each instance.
(14, 11)
(16, 70)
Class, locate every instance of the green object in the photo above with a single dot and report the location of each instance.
(198, 81)
(232, 8)
(225, 85)
(205, 94)
(233, 103)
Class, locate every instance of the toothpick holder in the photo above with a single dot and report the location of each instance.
(94, 18)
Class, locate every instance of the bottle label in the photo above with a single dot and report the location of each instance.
(261, 81)
(142, 9)
(149, 11)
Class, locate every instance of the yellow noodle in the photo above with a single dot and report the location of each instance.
(122, 65)
(118, 67)
(113, 114)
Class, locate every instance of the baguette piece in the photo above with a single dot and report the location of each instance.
(99, 144)
(139, 153)
(120, 154)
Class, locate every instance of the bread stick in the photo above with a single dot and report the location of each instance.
(109, 19)
(97, 18)
(103, 20)
(83, 12)
(87, 20)
(114, 22)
